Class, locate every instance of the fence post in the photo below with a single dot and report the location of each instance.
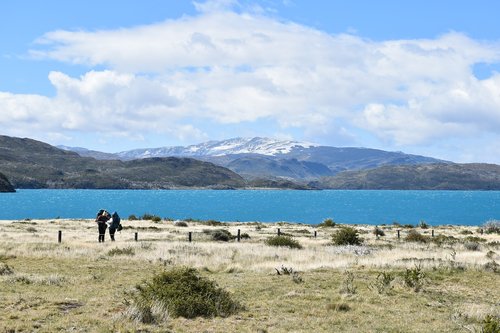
(59, 236)
(136, 236)
(279, 232)
(398, 233)
(239, 236)
(190, 236)
(315, 233)
(432, 232)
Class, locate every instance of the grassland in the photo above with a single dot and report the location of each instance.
(80, 285)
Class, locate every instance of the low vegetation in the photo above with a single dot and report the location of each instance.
(164, 283)
(346, 236)
(283, 241)
(179, 292)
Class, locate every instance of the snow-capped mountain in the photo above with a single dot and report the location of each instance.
(261, 146)
(271, 158)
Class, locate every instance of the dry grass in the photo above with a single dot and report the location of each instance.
(80, 285)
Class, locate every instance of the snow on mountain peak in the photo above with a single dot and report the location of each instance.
(257, 145)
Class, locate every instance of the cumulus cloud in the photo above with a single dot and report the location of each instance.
(224, 67)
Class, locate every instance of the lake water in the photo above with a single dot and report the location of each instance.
(311, 207)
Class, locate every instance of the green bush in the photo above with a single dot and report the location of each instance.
(181, 292)
(221, 235)
(150, 217)
(132, 217)
(346, 236)
(414, 277)
(382, 282)
(328, 223)
(491, 324)
(415, 236)
(286, 241)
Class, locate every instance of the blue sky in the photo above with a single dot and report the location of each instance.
(419, 77)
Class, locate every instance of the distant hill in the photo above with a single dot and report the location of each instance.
(33, 164)
(5, 185)
(418, 177)
(257, 158)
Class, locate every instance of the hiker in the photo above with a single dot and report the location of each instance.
(114, 225)
(101, 219)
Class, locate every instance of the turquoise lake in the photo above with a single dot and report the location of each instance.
(310, 207)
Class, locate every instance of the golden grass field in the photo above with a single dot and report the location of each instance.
(81, 285)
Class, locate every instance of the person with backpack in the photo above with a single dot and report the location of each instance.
(114, 225)
(101, 219)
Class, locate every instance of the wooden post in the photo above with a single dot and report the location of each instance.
(136, 236)
(315, 233)
(279, 232)
(190, 236)
(59, 236)
(398, 234)
(239, 236)
(432, 232)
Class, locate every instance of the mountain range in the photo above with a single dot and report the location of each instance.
(29, 163)
(256, 158)
(254, 163)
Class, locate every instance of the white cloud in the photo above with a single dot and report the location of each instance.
(221, 68)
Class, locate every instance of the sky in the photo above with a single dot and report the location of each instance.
(422, 77)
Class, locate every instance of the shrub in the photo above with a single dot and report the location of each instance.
(221, 235)
(132, 217)
(378, 232)
(474, 239)
(127, 251)
(492, 266)
(466, 232)
(290, 271)
(491, 324)
(415, 236)
(180, 224)
(442, 239)
(414, 277)
(5, 269)
(213, 223)
(471, 246)
(348, 286)
(286, 241)
(245, 236)
(150, 217)
(408, 226)
(181, 292)
(328, 223)
(346, 236)
(339, 307)
(423, 225)
(383, 282)
(492, 227)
